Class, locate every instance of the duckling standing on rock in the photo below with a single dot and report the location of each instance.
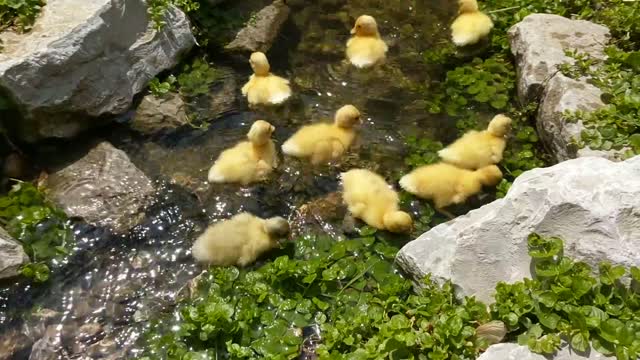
(239, 240)
(471, 25)
(446, 184)
(263, 87)
(324, 142)
(366, 48)
(248, 161)
(371, 199)
(477, 149)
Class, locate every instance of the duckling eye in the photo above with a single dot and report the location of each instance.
(358, 26)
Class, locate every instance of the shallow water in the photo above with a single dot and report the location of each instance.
(99, 302)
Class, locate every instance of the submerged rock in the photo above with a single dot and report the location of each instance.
(515, 351)
(12, 256)
(593, 204)
(155, 114)
(86, 59)
(104, 188)
(261, 30)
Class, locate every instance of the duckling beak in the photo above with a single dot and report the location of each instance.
(353, 31)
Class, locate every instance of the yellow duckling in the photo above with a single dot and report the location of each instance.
(371, 199)
(446, 184)
(471, 25)
(366, 48)
(324, 142)
(239, 240)
(264, 87)
(248, 161)
(477, 149)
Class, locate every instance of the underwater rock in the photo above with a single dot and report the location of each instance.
(262, 30)
(86, 59)
(13, 342)
(155, 114)
(325, 214)
(48, 347)
(12, 256)
(514, 351)
(104, 188)
(593, 204)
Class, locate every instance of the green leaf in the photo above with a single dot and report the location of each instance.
(580, 342)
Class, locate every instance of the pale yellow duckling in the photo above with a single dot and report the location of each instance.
(446, 184)
(248, 161)
(324, 142)
(239, 240)
(263, 87)
(366, 48)
(371, 199)
(471, 25)
(477, 149)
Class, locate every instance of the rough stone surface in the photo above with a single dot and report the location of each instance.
(12, 256)
(261, 31)
(157, 114)
(593, 204)
(84, 59)
(516, 352)
(103, 188)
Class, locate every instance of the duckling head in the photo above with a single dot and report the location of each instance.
(276, 227)
(398, 222)
(499, 125)
(347, 117)
(260, 132)
(489, 175)
(259, 63)
(467, 6)
(365, 26)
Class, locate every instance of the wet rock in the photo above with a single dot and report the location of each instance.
(157, 114)
(220, 100)
(86, 59)
(89, 331)
(514, 351)
(103, 348)
(261, 30)
(593, 204)
(48, 347)
(13, 342)
(104, 188)
(324, 214)
(12, 256)
(15, 166)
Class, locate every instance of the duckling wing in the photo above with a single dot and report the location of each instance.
(469, 28)
(364, 52)
(268, 90)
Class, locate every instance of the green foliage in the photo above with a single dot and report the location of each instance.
(567, 301)
(159, 88)
(42, 229)
(217, 25)
(421, 152)
(157, 9)
(197, 78)
(350, 289)
(20, 14)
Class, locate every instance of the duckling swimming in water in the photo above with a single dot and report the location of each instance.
(239, 240)
(476, 149)
(263, 87)
(471, 25)
(371, 199)
(366, 48)
(324, 142)
(248, 161)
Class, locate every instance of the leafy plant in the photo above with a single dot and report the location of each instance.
(159, 88)
(20, 14)
(42, 229)
(197, 78)
(421, 151)
(157, 9)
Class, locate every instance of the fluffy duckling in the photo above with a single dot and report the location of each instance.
(324, 142)
(446, 184)
(477, 149)
(248, 161)
(366, 48)
(239, 240)
(471, 25)
(371, 199)
(263, 87)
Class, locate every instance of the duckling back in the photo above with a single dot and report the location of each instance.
(241, 164)
(470, 28)
(368, 196)
(366, 51)
(321, 142)
(266, 90)
(474, 150)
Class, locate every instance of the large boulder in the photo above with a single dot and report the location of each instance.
(84, 59)
(104, 188)
(514, 351)
(591, 203)
(12, 256)
(262, 30)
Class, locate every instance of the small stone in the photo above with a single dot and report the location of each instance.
(12, 256)
(155, 114)
(515, 351)
(261, 30)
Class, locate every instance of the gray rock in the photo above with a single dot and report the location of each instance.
(156, 114)
(13, 342)
(514, 351)
(104, 188)
(593, 204)
(86, 59)
(48, 347)
(12, 256)
(539, 43)
(261, 30)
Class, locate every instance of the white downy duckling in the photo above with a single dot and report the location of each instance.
(371, 199)
(248, 161)
(471, 25)
(263, 87)
(366, 48)
(240, 240)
